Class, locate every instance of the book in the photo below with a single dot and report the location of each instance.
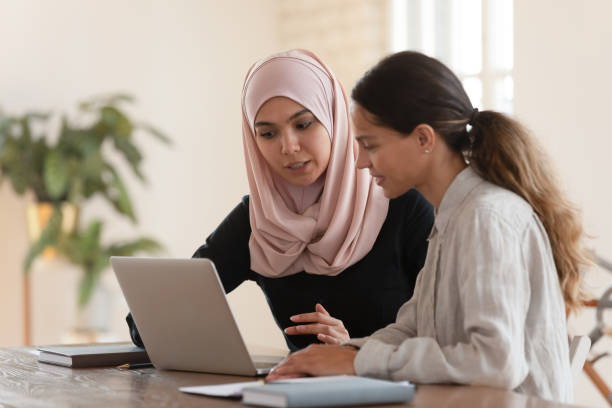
(93, 355)
(335, 391)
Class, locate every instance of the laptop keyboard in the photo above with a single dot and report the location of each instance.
(264, 364)
(261, 361)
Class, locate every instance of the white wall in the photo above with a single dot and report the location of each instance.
(563, 88)
(185, 62)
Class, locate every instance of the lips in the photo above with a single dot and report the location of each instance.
(297, 165)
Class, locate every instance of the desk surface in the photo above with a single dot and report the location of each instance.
(25, 382)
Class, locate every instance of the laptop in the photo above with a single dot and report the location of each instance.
(183, 316)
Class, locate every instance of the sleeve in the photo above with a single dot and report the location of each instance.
(228, 248)
(493, 291)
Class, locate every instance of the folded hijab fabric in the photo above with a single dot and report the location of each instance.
(325, 227)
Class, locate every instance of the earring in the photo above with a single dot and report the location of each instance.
(427, 151)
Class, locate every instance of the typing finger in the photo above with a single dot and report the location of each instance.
(287, 369)
(275, 376)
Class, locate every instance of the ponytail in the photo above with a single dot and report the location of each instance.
(408, 88)
(504, 153)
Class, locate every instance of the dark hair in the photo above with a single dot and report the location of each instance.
(408, 88)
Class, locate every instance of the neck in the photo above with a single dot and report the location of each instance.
(444, 168)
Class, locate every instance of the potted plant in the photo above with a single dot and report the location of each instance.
(63, 169)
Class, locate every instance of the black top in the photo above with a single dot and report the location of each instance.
(365, 296)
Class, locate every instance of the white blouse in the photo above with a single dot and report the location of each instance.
(487, 308)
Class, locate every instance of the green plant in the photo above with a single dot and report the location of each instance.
(77, 165)
(74, 168)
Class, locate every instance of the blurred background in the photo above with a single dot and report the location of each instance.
(547, 63)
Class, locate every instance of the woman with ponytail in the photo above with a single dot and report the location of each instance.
(504, 258)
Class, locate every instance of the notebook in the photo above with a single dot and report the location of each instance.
(93, 355)
(183, 316)
(335, 391)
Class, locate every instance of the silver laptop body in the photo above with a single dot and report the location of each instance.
(183, 317)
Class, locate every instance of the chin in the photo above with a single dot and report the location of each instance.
(301, 182)
(391, 193)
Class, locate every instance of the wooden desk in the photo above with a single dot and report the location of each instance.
(26, 383)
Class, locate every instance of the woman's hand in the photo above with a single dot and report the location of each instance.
(316, 360)
(328, 329)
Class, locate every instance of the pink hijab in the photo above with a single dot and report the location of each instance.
(325, 227)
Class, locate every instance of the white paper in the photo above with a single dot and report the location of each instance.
(233, 390)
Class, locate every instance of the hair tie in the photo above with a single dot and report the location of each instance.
(473, 116)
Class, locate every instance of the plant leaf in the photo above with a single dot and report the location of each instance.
(26, 134)
(118, 196)
(112, 99)
(48, 237)
(132, 155)
(86, 286)
(119, 97)
(130, 248)
(155, 132)
(119, 126)
(91, 237)
(91, 277)
(56, 174)
(14, 166)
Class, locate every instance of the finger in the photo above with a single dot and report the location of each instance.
(285, 370)
(315, 317)
(305, 329)
(327, 339)
(319, 308)
(309, 329)
(275, 377)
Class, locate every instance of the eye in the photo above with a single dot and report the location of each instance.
(304, 124)
(367, 147)
(266, 133)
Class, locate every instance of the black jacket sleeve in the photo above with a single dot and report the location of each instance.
(418, 222)
(228, 248)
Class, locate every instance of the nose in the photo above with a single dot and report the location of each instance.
(363, 159)
(290, 143)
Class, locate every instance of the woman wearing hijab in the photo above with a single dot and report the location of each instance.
(333, 256)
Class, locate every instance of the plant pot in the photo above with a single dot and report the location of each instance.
(38, 214)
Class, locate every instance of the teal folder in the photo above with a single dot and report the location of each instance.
(350, 390)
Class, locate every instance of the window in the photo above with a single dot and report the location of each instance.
(473, 37)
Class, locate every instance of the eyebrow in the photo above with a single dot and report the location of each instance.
(295, 115)
(364, 137)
